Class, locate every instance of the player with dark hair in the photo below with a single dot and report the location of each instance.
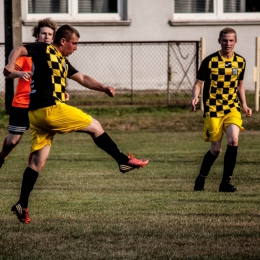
(18, 120)
(49, 114)
(222, 74)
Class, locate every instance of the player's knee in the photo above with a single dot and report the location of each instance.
(13, 141)
(37, 166)
(233, 141)
(97, 124)
(216, 152)
(96, 127)
(37, 162)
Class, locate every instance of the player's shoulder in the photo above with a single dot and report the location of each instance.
(35, 47)
(36, 44)
(212, 56)
(238, 57)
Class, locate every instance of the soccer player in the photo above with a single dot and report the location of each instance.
(18, 120)
(222, 74)
(49, 114)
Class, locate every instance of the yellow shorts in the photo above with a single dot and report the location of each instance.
(60, 118)
(214, 127)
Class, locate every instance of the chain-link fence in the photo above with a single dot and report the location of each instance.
(143, 73)
(148, 73)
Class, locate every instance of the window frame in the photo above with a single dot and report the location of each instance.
(73, 15)
(217, 16)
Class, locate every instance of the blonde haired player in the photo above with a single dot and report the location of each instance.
(50, 115)
(222, 74)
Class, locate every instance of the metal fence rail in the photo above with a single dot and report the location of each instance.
(143, 73)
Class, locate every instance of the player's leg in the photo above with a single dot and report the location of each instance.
(75, 120)
(207, 162)
(20, 209)
(233, 126)
(8, 145)
(40, 148)
(104, 141)
(18, 124)
(213, 132)
(232, 132)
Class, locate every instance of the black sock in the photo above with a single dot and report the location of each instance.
(230, 159)
(29, 178)
(107, 144)
(207, 162)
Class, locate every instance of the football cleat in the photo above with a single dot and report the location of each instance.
(133, 163)
(199, 184)
(227, 187)
(22, 214)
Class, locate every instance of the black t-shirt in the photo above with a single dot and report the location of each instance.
(49, 73)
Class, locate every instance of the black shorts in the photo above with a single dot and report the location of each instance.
(18, 120)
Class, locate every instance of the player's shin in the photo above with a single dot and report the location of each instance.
(108, 145)
(29, 179)
(207, 162)
(229, 163)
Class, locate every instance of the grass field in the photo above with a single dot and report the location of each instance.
(82, 207)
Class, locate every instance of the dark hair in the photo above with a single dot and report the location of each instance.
(227, 30)
(65, 31)
(44, 23)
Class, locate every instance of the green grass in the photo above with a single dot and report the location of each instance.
(82, 207)
(126, 97)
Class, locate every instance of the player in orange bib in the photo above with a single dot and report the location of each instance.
(19, 121)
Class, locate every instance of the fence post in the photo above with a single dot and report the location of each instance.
(9, 84)
(132, 90)
(203, 56)
(168, 75)
(256, 73)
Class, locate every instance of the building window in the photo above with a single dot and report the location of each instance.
(47, 7)
(216, 10)
(97, 6)
(202, 6)
(74, 10)
(241, 6)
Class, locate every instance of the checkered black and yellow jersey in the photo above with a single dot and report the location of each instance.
(221, 77)
(49, 73)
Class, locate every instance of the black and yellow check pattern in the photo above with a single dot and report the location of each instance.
(221, 80)
(57, 63)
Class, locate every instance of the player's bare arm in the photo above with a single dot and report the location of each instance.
(26, 75)
(13, 56)
(242, 98)
(195, 94)
(91, 83)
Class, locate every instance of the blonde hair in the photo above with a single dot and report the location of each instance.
(227, 30)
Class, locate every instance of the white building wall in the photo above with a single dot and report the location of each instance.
(150, 22)
(2, 36)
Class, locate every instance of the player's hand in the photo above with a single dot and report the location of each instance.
(110, 91)
(67, 96)
(8, 70)
(248, 111)
(194, 102)
(26, 75)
